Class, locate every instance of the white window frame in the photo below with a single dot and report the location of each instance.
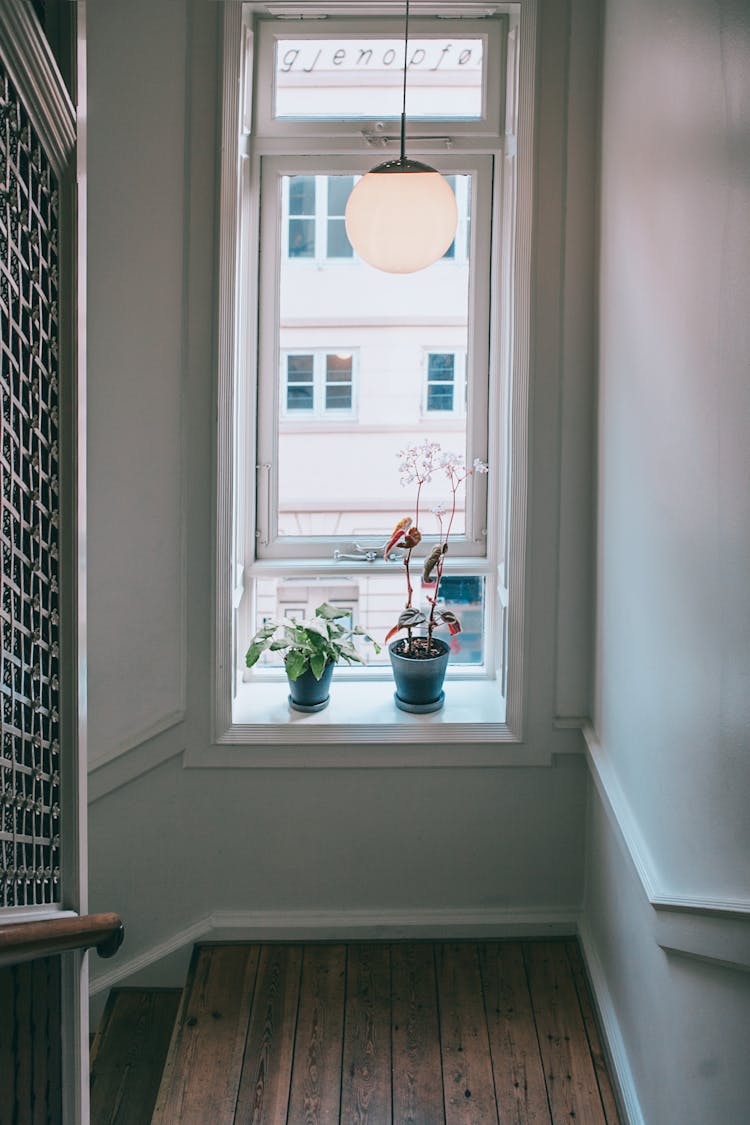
(362, 716)
(319, 412)
(481, 514)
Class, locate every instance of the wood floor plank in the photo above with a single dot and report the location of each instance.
(204, 1065)
(467, 1067)
(129, 1054)
(316, 1066)
(417, 1069)
(366, 1065)
(591, 1024)
(267, 1067)
(569, 1072)
(517, 1066)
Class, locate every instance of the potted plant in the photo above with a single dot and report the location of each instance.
(420, 660)
(312, 648)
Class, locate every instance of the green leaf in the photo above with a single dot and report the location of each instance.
(318, 664)
(316, 626)
(331, 612)
(254, 652)
(295, 664)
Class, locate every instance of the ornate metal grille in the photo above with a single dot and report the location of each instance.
(29, 513)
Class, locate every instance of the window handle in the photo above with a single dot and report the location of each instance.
(262, 533)
(359, 554)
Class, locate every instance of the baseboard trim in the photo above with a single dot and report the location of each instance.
(345, 925)
(614, 1043)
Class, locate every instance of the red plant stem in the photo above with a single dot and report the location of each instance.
(407, 562)
(454, 483)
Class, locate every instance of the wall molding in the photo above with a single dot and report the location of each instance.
(343, 925)
(662, 897)
(613, 1040)
(34, 72)
(108, 773)
(705, 928)
(132, 742)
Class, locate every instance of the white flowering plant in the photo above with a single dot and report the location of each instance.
(418, 465)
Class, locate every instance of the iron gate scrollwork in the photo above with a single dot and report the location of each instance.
(29, 513)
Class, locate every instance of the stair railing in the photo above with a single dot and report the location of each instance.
(25, 941)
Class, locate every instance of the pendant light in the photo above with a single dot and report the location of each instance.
(401, 216)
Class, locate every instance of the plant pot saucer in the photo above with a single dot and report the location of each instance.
(419, 708)
(309, 707)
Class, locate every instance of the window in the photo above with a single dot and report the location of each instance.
(445, 390)
(337, 366)
(318, 384)
(410, 359)
(314, 209)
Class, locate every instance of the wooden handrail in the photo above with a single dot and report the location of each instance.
(23, 941)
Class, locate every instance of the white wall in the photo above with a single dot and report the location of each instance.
(678, 1024)
(136, 202)
(169, 844)
(673, 689)
(672, 709)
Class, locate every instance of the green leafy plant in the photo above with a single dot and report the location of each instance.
(310, 644)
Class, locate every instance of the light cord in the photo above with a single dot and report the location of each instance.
(403, 105)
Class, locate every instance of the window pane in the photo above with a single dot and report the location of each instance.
(299, 398)
(441, 366)
(376, 601)
(339, 245)
(299, 390)
(302, 195)
(301, 238)
(338, 398)
(350, 78)
(338, 382)
(300, 368)
(347, 481)
(451, 251)
(339, 367)
(440, 397)
(339, 190)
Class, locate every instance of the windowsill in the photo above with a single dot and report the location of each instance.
(366, 712)
(362, 727)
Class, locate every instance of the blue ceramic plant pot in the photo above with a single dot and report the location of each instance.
(419, 679)
(308, 694)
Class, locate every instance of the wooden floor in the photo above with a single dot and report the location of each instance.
(409, 1032)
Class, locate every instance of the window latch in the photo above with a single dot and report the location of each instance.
(359, 554)
(376, 138)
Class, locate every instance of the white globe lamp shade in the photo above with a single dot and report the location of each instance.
(402, 216)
